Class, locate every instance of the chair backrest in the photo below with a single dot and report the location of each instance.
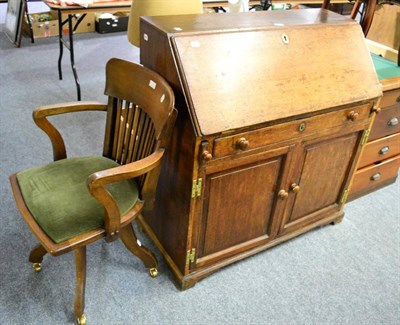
(140, 113)
(385, 28)
(367, 14)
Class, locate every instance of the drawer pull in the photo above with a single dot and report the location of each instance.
(295, 188)
(398, 99)
(352, 116)
(206, 155)
(393, 121)
(377, 110)
(376, 177)
(243, 144)
(384, 150)
(283, 194)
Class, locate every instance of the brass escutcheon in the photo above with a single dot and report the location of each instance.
(285, 39)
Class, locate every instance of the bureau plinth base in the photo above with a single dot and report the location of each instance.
(184, 282)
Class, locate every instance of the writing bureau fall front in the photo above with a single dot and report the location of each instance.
(274, 110)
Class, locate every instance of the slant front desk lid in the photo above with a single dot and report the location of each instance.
(239, 70)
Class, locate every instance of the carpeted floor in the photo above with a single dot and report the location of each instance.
(344, 274)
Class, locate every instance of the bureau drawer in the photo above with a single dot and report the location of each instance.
(391, 97)
(380, 149)
(386, 122)
(285, 131)
(374, 176)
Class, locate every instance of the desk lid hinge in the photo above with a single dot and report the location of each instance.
(191, 256)
(365, 137)
(344, 196)
(196, 187)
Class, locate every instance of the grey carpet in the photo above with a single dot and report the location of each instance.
(344, 274)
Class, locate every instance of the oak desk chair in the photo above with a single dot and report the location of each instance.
(73, 202)
(367, 12)
(384, 33)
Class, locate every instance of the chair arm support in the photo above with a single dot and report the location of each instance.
(40, 118)
(127, 171)
(97, 181)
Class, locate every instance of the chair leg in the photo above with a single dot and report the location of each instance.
(36, 257)
(130, 241)
(80, 267)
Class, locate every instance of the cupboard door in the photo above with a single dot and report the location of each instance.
(239, 206)
(325, 166)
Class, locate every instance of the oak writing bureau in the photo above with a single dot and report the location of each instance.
(273, 113)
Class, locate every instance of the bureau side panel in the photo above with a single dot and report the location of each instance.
(155, 53)
(169, 220)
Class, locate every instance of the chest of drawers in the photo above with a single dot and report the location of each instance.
(380, 161)
(273, 114)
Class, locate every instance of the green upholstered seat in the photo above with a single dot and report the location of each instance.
(385, 69)
(58, 198)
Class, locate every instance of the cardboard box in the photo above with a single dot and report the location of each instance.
(45, 24)
(85, 26)
(110, 23)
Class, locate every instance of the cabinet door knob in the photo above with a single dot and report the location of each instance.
(376, 177)
(377, 110)
(206, 155)
(295, 188)
(384, 150)
(242, 143)
(353, 115)
(393, 121)
(283, 194)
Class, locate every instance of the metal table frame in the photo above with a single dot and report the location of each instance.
(71, 12)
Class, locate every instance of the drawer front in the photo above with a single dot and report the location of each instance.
(390, 98)
(375, 176)
(299, 128)
(380, 149)
(386, 122)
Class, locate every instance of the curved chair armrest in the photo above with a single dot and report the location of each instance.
(97, 181)
(40, 118)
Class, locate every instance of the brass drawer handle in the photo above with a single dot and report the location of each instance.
(295, 188)
(283, 194)
(242, 144)
(376, 177)
(384, 150)
(398, 99)
(352, 116)
(393, 121)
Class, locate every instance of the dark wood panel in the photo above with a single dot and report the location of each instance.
(325, 169)
(243, 209)
(168, 216)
